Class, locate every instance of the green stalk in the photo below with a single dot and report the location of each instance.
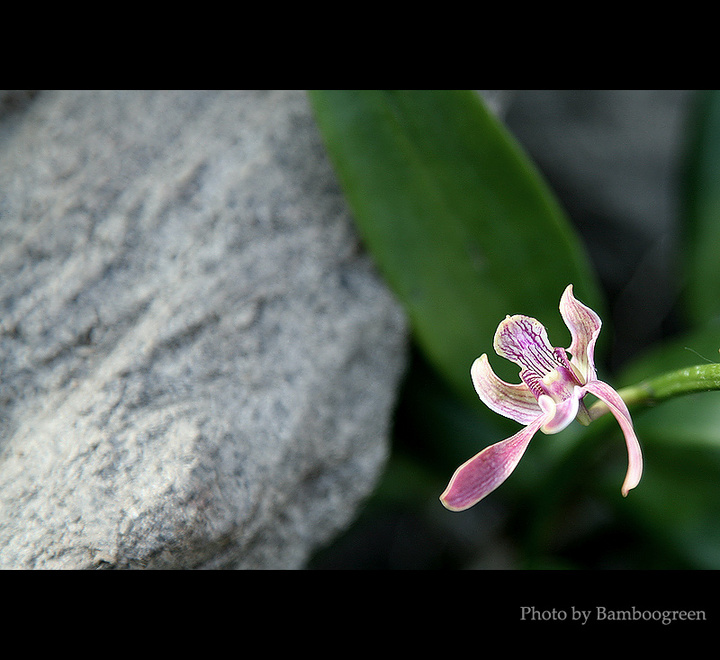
(688, 380)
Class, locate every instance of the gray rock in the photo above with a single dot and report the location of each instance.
(198, 360)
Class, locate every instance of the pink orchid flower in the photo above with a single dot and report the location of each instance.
(549, 397)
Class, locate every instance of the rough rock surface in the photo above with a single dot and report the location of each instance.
(198, 362)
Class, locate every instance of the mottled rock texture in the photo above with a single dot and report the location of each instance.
(198, 361)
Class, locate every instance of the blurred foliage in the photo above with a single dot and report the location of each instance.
(701, 209)
(465, 231)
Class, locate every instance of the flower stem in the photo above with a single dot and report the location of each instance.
(688, 380)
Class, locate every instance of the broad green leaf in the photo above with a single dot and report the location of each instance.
(458, 219)
(702, 211)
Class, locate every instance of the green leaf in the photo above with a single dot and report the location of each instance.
(701, 197)
(458, 219)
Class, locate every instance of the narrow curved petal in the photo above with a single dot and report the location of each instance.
(514, 401)
(485, 471)
(584, 326)
(617, 406)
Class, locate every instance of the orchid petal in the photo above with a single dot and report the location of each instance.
(584, 326)
(524, 341)
(485, 471)
(617, 406)
(514, 401)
